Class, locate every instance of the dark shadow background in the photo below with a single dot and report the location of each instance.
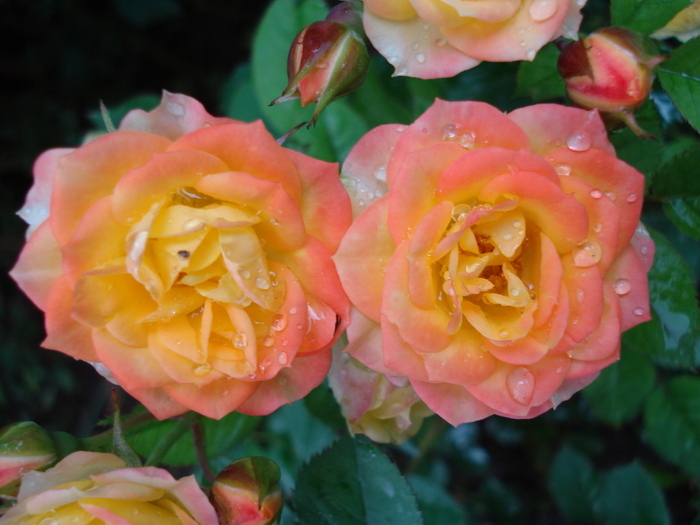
(59, 59)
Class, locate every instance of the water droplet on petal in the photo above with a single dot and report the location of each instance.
(400, 128)
(611, 195)
(563, 169)
(530, 54)
(178, 342)
(415, 45)
(579, 141)
(575, 321)
(598, 227)
(193, 224)
(587, 254)
(420, 57)
(293, 310)
(274, 222)
(278, 322)
(380, 173)
(503, 334)
(268, 341)
(639, 311)
(644, 250)
(580, 295)
(262, 283)
(240, 341)
(632, 197)
(282, 381)
(622, 286)
(201, 370)
(541, 10)
(596, 194)
(282, 358)
(245, 273)
(521, 385)
(441, 42)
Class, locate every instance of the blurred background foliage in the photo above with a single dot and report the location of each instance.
(626, 451)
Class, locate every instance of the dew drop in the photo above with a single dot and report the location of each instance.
(380, 173)
(441, 42)
(278, 322)
(282, 381)
(514, 292)
(530, 54)
(575, 321)
(559, 370)
(240, 341)
(274, 222)
(579, 141)
(644, 250)
(193, 224)
(361, 202)
(587, 254)
(580, 295)
(282, 358)
(415, 45)
(300, 326)
(262, 283)
(517, 224)
(523, 43)
(268, 341)
(245, 273)
(521, 385)
(201, 370)
(598, 227)
(632, 197)
(622, 286)
(563, 169)
(224, 393)
(596, 194)
(541, 10)
(611, 195)
(400, 128)
(639, 311)
(503, 334)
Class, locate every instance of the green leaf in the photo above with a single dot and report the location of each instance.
(680, 77)
(642, 154)
(621, 389)
(672, 291)
(238, 98)
(540, 79)
(672, 422)
(280, 25)
(629, 496)
(323, 406)
(219, 436)
(354, 483)
(679, 176)
(649, 338)
(573, 484)
(684, 212)
(435, 503)
(645, 16)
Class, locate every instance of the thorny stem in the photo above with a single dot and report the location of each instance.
(201, 450)
(105, 437)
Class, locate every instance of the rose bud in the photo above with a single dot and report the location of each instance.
(23, 447)
(327, 60)
(684, 26)
(247, 492)
(386, 409)
(611, 71)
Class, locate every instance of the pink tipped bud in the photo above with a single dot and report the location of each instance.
(23, 447)
(611, 71)
(327, 60)
(247, 492)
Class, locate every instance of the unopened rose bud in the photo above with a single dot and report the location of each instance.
(611, 71)
(247, 492)
(23, 447)
(327, 60)
(373, 405)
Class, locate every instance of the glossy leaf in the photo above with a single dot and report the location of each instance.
(684, 212)
(540, 79)
(435, 503)
(679, 176)
(354, 483)
(629, 496)
(573, 484)
(645, 16)
(643, 154)
(680, 77)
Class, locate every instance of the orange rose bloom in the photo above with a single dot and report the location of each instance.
(189, 258)
(495, 258)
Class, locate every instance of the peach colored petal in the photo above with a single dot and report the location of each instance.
(255, 152)
(572, 22)
(362, 257)
(391, 9)
(560, 216)
(399, 356)
(491, 11)
(605, 340)
(580, 369)
(180, 369)
(524, 351)
(585, 287)
(550, 334)
(603, 218)
(214, 400)
(437, 13)
(64, 333)
(38, 202)
(615, 179)
(165, 173)
(158, 402)
(550, 126)
(133, 368)
(98, 239)
(464, 362)
(281, 223)
(547, 274)
(413, 196)
(325, 206)
(628, 277)
(38, 266)
(434, 57)
(365, 342)
(644, 246)
(92, 171)
(423, 329)
(517, 38)
(291, 384)
(323, 326)
(453, 403)
(364, 170)
(175, 116)
(473, 125)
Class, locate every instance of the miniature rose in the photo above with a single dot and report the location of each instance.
(92, 487)
(494, 257)
(385, 409)
(188, 258)
(440, 38)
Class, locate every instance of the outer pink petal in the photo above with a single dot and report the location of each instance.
(362, 257)
(517, 38)
(549, 126)
(36, 206)
(38, 266)
(644, 246)
(475, 124)
(365, 342)
(580, 369)
(605, 340)
(92, 171)
(617, 180)
(451, 402)
(190, 495)
(175, 116)
(291, 384)
(433, 58)
(325, 205)
(548, 282)
(282, 224)
(464, 362)
(399, 356)
(247, 148)
(628, 275)
(214, 400)
(364, 170)
(158, 402)
(164, 173)
(585, 287)
(392, 9)
(64, 333)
